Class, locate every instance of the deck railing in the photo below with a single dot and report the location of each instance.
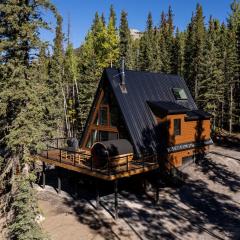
(57, 150)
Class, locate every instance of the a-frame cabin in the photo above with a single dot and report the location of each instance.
(155, 112)
(139, 121)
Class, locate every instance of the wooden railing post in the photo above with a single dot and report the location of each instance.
(47, 151)
(91, 162)
(116, 199)
(127, 162)
(60, 155)
(143, 163)
(108, 166)
(43, 174)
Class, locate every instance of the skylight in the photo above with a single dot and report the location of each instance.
(179, 94)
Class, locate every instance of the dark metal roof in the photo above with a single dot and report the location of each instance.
(197, 115)
(142, 87)
(163, 107)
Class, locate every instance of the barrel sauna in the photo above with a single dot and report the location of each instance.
(112, 153)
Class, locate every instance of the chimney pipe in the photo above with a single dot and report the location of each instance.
(123, 72)
(122, 75)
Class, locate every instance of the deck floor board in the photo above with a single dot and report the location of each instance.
(83, 166)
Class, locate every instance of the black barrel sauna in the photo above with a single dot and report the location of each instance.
(112, 153)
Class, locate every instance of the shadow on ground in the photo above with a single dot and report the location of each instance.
(182, 213)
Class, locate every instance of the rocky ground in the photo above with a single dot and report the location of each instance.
(206, 207)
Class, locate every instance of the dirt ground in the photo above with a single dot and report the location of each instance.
(206, 207)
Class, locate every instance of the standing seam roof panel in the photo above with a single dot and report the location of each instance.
(143, 87)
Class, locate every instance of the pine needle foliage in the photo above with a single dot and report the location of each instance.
(23, 109)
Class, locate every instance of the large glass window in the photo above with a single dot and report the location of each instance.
(179, 94)
(103, 116)
(114, 116)
(92, 138)
(102, 136)
(105, 136)
(177, 127)
(112, 135)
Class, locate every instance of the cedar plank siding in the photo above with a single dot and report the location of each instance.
(189, 133)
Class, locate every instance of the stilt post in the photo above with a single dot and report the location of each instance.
(156, 194)
(116, 199)
(144, 185)
(97, 194)
(43, 175)
(59, 180)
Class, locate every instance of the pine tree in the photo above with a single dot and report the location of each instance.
(147, 47)
(178, 53)
(222, 44)
(22, 110)
(113, 16)
(126, 42)
(73, 117)
(194, 50)
(89, 74)
(55, 83)
(89, 69)
(113, 39)
(103, 20)
(211, 78)
(164, 45)
(233, 65)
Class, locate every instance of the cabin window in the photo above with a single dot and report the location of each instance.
(179, 94)
(114, 116)
(92, 138)
(112, 135)
(102, 136)
(177, 127)
(105, 136)
(103, 118)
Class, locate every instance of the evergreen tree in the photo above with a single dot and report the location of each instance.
(55, 83)
(194, 50)
(178, 53)
(103, 20)
(146, 48)
(100, 50)
(22, 110)
(211, 79)
(113, 16)
(126, 42)
(113, 39)
(72, 118)
(165, 45)
(89, 74)
(233, 65)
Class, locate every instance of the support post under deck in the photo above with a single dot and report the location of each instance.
(59, 183)
(116, 199)
(156, 193)
(43, 175)
(97, 194)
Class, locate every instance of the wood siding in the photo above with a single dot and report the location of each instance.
(191, 131)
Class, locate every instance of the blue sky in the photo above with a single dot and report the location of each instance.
(81, 13)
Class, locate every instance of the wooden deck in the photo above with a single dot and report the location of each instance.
(83, 163)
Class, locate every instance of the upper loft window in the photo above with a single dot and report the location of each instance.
(103, 115)
(177, 127)
(179, 94)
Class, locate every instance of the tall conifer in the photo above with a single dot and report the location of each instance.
(22, 110)
(126, 42)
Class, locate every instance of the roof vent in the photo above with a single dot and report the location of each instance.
(122, 75)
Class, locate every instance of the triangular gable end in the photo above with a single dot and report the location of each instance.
(105, 120)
